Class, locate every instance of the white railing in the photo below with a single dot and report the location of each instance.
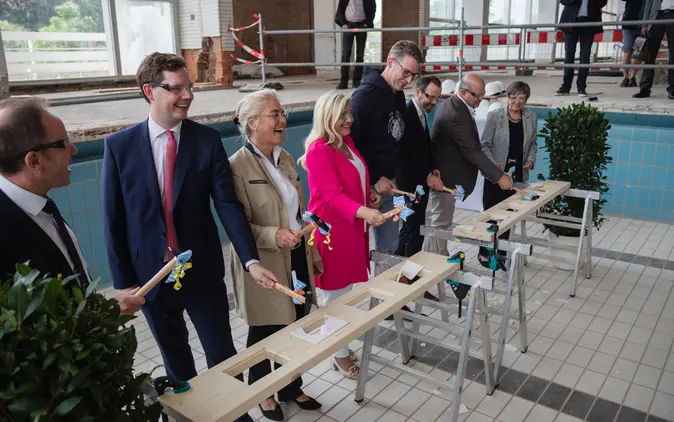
(55, 55)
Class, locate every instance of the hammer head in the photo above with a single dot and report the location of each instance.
(323, 227)
(419, 192)
(540, 177)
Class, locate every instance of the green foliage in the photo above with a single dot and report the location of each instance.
(66, 355)
(576, 139)
(35, 14)
(69, 19)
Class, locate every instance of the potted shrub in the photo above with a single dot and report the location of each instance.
(66, 355)
(576, 138)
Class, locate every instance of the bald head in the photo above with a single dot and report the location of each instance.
(471, 89)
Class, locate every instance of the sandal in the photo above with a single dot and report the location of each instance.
(352, 373)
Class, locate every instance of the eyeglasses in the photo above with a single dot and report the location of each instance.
(480, 95)
(346, 114)
(407, 73)
(276, 115)
(430, 97)
(56, 144)
(174, 89)
(516, 99)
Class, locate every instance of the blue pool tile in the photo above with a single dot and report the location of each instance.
(92, 192)
(648, 156)
(653, 216)
(643, 119)
(633, 174)
(668, 202)
(81, 227)
(661, 154)
(619, 195)
(631, 196)
(87, 253)
(621, 174)
(636, 152)
(645, 176)
(655, 201)
(621, 133)
(96, 224)
(658, 178)
(77, 202)
(645, 134)
(662, 121)
(61, 197)
(641, 214)
(82, 172)
(667, 218)
(670, 159)
(100, 252)
(666, 136)
(669, 179)
(617, 211)
(624, 118)
(629, 213)
(99, 167)
(104, 273)
(642, 198)
(610, 173)
(624, 151)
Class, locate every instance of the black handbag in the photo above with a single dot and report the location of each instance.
(640, 49)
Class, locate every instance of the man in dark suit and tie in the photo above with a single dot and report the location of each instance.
(158, 179)
(35, 152)
(458, 155)
(416, 165)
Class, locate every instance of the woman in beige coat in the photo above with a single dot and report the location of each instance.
(267, 183)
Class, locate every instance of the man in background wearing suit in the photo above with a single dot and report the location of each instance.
(158, 179)
(35, 152)
(354, 14)
(657, 10)
(456, 149)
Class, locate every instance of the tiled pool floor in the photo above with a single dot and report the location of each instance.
(605, 355)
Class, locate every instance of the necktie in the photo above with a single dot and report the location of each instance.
(51, 209)
(169, 177)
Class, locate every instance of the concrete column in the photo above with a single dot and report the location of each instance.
(4, 76)
(204, 41)
(327, 47)
(476, 12)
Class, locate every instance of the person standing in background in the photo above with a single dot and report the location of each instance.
(633, 12)
(354, 14)
(657, 10)
(379, 111)
(579, 11)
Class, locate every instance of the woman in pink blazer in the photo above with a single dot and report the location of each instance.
(339, 194)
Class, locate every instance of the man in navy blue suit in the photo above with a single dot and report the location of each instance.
(158, 179)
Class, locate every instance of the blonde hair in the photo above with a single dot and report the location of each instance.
(328, 110)
(251, 106)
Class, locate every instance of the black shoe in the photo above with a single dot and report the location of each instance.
(356, 84)
(342, 85)
(643, 93)
(671, 95)
(562, 91)
(310, 404)
(274, 415)
(625, 83)
(633, 83)
(244, 418)
(581, 92)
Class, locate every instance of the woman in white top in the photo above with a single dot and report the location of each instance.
(267, 183)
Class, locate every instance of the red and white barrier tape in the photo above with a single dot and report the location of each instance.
(472, 40)
(256, 16)
(244, 61)
(519, 67)
(254, 53)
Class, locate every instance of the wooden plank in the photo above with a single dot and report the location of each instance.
(211, 397)
(510, 212)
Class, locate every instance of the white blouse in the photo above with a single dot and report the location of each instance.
(358, 163)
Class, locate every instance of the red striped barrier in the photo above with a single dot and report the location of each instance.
(257, 54)
(516, 67)
(511, 39)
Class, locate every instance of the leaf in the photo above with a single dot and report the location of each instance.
(53, 291)
(92, 287)
(35, 303)
(48, 360)
(9, 316)
(123, 319)
(67, 405)
(77, 294)
(18, 300)
(80, 307)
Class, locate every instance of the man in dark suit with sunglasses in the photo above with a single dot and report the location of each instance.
(35, 152)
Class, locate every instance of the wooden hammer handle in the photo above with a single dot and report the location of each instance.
(400, 192)
(305, 230)
(165, 271)
(518, 190)
(446, 189)
(291, 293)
(393, 212)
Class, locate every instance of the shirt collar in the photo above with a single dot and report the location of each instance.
(471, 109)
(276, 153)
(419, 112)
(156, 130)
(29, 202)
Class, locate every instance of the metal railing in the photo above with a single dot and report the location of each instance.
(460, 63)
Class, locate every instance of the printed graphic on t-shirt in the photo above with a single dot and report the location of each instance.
(396, 125)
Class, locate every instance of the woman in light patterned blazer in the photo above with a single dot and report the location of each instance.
(509, 140)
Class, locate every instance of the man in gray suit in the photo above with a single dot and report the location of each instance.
(657, 10)
(456, 148)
